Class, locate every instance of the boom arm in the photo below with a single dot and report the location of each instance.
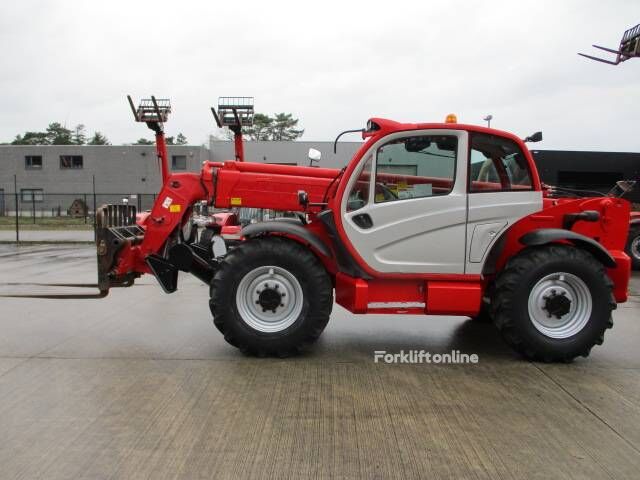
(228, 184)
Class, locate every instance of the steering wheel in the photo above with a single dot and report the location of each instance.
(387, 192)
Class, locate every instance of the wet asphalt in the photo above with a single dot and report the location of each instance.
(141, 385)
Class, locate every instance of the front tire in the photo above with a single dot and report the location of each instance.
(271, 297)
(633, 246)
(553, 303)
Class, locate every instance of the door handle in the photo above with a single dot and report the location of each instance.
(363, 220)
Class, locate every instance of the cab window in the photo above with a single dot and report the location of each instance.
(415, 167)
(359, 194)
(497, 164)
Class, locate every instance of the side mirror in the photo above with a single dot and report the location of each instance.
(536, 137)
(314, 155)
(621, 188)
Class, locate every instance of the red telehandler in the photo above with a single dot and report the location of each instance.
(427, 218)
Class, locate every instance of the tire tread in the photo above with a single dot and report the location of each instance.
(509, 280)
(221, 303)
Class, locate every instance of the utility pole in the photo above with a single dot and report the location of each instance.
(15, 190)
(94, 207)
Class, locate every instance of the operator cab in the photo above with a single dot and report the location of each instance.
(436, 196)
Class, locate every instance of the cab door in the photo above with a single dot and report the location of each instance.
(501, 192)
(405, 208)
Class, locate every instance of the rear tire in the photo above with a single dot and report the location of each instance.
(484, 315)
(271, 297)
(633, 246)
(553, 303)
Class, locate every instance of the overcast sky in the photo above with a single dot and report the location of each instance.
(331, 64)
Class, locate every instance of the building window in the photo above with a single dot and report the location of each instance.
(71, 162)
(179, 162)
(31, 195)
(33, 162)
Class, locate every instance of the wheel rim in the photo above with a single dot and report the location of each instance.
(269, 299)
(560, 305)
(635, 247)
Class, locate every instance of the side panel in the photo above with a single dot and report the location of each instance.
(409, 297)
(490, 215)
(270, 186)
(454, 298)
(620, 275)
(482, 237)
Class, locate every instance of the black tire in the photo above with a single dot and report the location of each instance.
(317, 296)
(484, 315)
(510, 306)
(633, 246)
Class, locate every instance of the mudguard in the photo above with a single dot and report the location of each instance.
(289, 227)
(543, 236)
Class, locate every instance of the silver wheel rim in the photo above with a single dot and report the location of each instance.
(560, 305)
(269, 299)
(635, 247)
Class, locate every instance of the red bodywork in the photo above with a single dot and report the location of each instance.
(235, 184)
(230, 228)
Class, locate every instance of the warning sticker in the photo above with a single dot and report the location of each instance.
(175, 208)
(167, 202)
(236, 201)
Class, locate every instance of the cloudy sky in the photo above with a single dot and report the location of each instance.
(331, 64)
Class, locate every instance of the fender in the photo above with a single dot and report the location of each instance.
(289, 227)
(543, 236)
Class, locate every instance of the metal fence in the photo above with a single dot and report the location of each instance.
(32, 209)
(25, 211)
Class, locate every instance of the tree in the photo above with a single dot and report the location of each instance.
(32, 138)
(261, 128)
(59, 135)
(79, 137)
(181, 139)
(284, 127)
(280, 127)
(143, 141)
(98, 139)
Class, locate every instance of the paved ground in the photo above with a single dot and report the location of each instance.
(141, 385)
(47, 236)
